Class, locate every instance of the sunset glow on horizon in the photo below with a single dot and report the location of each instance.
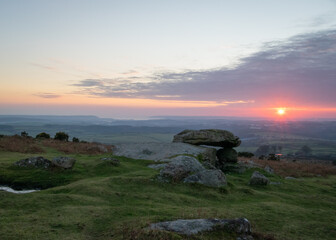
(150, 58)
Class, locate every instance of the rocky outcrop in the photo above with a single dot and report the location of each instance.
(35, 162)
(211, 178)
(64, 162)
(210, 137)
(160, 151)
(239, 226)
(258, 179)
(217, 138)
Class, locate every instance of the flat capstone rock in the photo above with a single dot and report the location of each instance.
(210, 137)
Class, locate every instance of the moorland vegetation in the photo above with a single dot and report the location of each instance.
(99, 200)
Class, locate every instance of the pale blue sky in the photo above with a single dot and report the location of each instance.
(47, 47)
(110, 36)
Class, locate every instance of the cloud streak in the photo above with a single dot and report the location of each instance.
(301, 70)
(47, 95)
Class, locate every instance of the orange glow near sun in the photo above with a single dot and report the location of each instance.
(281, 111)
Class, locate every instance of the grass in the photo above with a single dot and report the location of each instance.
(295, 169)
(20, 144)
(96, 200)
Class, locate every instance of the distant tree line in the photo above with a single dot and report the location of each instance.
(61, 136)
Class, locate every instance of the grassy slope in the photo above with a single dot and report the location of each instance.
(99, 201)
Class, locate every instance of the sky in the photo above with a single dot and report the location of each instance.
(142, 58)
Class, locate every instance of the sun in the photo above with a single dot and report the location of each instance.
(281, 111)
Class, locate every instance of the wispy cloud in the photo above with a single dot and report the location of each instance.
(47, 95)
(301, 70)
(130, 72)
(59, 66)
(89, 83)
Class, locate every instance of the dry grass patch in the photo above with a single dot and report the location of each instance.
(296, 169)
(19, 144)
(77, 148)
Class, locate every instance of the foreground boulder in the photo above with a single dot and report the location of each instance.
(188, 169)
(240, 226)
(64, 162)
(35, 162)
(258, 179)
(211, 178)
(210, 137)
(179, 168)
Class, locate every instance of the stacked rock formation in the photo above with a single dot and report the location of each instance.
(226, 155)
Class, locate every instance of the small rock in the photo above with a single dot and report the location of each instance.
(290, 178)
(64, 162)
(275, 183)
(247, 237)
(35, 162)
(112, 161)
(269, 169)
(258, 179)
(193, 226)
(211, 178)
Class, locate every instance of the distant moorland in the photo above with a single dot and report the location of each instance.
(289, 136)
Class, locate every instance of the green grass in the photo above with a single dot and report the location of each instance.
(96, 200)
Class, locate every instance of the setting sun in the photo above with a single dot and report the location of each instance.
(281, 111)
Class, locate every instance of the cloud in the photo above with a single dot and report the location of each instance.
(62, 67)
(299, 70)
(89, 83)
(130, 72)
(47, 95)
